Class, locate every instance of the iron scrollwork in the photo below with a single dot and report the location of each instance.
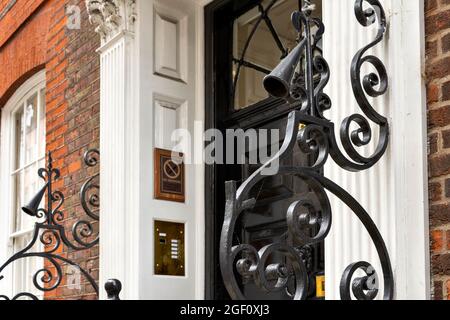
(90, 201)
(51, 232)
(302, 86)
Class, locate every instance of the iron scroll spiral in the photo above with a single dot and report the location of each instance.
(373, 85)
(83, 231)
(308, 129)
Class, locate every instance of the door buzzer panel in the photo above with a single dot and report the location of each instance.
(169, 257)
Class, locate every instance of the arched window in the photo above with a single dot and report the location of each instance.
(22, 153)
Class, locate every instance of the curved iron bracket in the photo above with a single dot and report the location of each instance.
(315, 135)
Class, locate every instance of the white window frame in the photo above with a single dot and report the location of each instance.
(7, 141)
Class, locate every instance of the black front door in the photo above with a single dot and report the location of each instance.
(245, 40)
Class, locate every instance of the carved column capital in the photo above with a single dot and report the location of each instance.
(112, 16)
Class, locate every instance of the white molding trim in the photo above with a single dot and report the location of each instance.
(169, 60)
(24, 90)
(200, 169)
(114, 39)
(22, 93)
(409, 138)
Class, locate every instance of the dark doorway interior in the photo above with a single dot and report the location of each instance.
(235, 99)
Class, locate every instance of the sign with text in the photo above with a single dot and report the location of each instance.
(169, 176)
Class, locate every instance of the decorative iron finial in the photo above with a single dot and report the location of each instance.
(50, 158)
(113, 288)
(308, 7)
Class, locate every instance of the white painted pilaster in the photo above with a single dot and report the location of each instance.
(408, 103)
(394, 192)
(119, 144)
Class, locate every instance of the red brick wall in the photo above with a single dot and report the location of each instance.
(73, 96)
(438, 87)
(37, 37)
(22, 52)
(73, 121)
(16, 16)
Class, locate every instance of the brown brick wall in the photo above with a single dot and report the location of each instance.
(438, 96)
(39, 38)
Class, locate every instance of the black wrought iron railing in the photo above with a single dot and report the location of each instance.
(280, 266)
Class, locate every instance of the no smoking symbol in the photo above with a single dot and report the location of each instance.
(172, 169)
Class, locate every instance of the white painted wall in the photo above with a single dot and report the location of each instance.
(176, 54)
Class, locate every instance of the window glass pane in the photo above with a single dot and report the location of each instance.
(31, 129)
(41, 138)
(19, 138)
(25, 269)
(26, 188)
(41, 164)
(30, 189)
(18, 183)
(19, 267)
(249, 89)
(261, 43)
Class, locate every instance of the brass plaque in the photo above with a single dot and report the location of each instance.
(169, 176)
(169, 248)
